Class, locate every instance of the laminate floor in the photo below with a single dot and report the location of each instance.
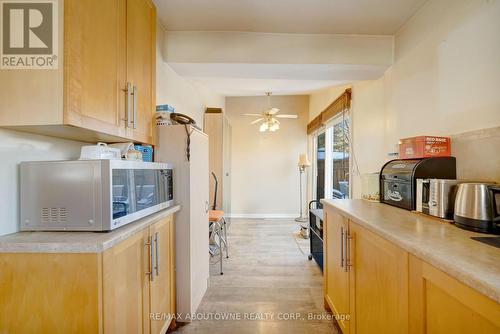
(268, 286)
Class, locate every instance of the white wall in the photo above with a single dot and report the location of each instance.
(185, 96)
(445, 81)
(14, 148)
(446, 77)
(265, 177)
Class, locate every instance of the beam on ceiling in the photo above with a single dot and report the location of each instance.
(275, 48)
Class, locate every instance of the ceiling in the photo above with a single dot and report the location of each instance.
(258, 87)
(375, 17)
(229, 79)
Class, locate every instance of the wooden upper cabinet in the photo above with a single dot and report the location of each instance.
(94, 65)
(105, 44)
(141, 63)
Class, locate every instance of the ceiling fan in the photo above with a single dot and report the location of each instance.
(269, 117)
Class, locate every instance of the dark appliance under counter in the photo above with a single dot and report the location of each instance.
(316, 232)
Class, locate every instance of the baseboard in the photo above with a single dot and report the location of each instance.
(263, 215)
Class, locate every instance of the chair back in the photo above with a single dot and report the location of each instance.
(214, 206)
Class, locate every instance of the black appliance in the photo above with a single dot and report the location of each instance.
(398, 178)
(316, 232)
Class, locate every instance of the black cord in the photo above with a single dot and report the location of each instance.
(188, 149)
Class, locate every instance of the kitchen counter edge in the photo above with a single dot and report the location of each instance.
(77, 241)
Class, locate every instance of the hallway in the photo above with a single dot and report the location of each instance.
(267, 278)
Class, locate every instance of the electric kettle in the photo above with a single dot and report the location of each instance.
(477, 207)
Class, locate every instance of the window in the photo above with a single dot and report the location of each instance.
(340, 156)
(331, 142)
(320, 166)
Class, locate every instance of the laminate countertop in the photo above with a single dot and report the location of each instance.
(76, 242)
(436, 242)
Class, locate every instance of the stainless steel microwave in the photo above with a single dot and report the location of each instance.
(92, 195)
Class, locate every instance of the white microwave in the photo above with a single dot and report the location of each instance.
(92, 195)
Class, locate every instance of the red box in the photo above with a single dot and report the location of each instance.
(424, 147)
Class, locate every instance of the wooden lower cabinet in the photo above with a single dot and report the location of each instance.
(335, 271)
(388, 290)
(441, 304)
(109, 292)
(50, 293)
(160, 286)
(378, 281)
(126, 287)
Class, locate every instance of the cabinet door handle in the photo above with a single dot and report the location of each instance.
(207, 206)
(348, 251)
(345, 250)
(150, 245)
(128, 90)
(341, 247)
(157, 250)
(134, 95)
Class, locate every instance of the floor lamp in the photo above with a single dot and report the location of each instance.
(303, 164)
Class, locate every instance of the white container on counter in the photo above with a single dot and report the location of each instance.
(370, 187)
(99, 151)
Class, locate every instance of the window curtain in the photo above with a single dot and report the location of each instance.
(341, 104)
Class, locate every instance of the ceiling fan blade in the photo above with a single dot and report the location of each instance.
(273, 111)
(252, 114)
(257, 120)
(286, 116)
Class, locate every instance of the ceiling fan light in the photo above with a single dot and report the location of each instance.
(263, 127)
(274, 127)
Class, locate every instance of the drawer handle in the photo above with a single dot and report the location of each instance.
(157, 250)
(150, 245)
(134, 95)
(341, 247)
(128, 90)
(348, 250)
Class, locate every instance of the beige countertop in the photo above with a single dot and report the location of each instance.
(76, 242)
(436, 242)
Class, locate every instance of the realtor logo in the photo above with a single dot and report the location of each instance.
(29, 34)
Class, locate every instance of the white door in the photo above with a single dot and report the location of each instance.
(199, 188)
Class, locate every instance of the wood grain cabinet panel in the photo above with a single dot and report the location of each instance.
(125, 286)
(50, 293)
(94, 65)
(378, 284)
(336, 276)
(106, 45)
(441, 304)
(392, 291)
(160, 287)
(109, 292)
(141, 64)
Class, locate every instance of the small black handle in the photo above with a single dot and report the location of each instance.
(495, 190)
